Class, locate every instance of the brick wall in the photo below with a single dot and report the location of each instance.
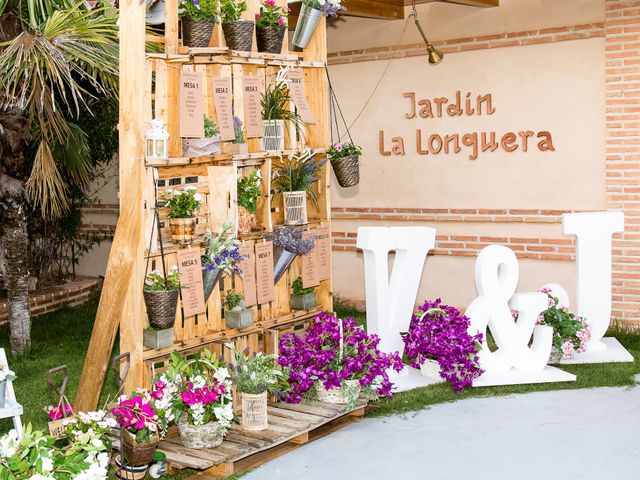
(100, 219)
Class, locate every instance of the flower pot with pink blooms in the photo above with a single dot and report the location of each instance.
(271, 26)
(345, 160)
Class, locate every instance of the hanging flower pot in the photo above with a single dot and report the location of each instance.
(348, 392)
(238, 35)
(196, 33)
(345, 160)
(138, 453)
(306, 26)
(208, 435)
(269, 39)
(182, 230)
(295, 208)
(161, 307)
(283, 260)
(254, 411)
(246, 221)
(273, 135)
(210, 277)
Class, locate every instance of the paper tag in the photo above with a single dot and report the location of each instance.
(323, 245)
(248, 267)
(299, 96)
(252, 107)
(310, 266)
(224, 107)
(264, 272)
(191, 105)
(190, 266)
(58, 427)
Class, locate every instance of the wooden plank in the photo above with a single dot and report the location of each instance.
(287, 413)
(300, 439)
(244, 440)
(322, 410)
(475, 3)
(170, 26)
(373, 9)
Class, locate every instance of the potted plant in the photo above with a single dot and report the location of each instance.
(248, 193)
(182, 206)
(6, 375)
(271, 25)
(570, 332)
(202, 147)
(310, 14)
(288, 243)
(198, 17)
(439, 344)
(345, 159)
(338, 360)
(139, 423)
(236, 313)
(303, 298)
(254, 376)
(203, 400)
(276, 108)
(293, 179)
(238, 33)
(161, 300)
(221, 257)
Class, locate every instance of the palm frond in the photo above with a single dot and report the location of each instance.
(45, 186)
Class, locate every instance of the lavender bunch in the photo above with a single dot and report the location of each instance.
(290, 239)
(329, 8)
(222, 253)
(237, 129)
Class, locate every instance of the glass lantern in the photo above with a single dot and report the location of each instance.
(156, 140)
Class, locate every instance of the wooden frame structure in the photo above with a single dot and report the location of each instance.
(149, 87)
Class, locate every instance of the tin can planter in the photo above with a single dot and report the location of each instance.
(431, 369)
(161, 307)
(269, 39)
(273, 135)
(238, 319)
(122, 471)
(283, 260)
(246, 221)
(209, 435)
(201, 147)
(295, 208)
(182, 230)
(254, 411)
(304, 302)
(306, 26)
(347, 170)
(138, 454)
(347, 393)
(238, 35)
(196, 33)
(156, 339)
(209, 280)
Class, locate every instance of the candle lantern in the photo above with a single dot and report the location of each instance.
(156, 140)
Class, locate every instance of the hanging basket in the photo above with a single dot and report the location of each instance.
(196, 33)
(209, 435)
(273, 135)
(238, 35)
(306, 26)
(347, 393)
(161, 307)
(209, 280)
(295, 208)
(246, 221)
(254, 411)
(269, 39)
(182, 230)
(201, 147)
(283, 260)
(138, 454)
(430, 369)
(347, 170)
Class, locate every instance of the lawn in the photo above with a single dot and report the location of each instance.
(62, 337)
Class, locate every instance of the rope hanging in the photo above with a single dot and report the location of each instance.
(334, 112)
(153, 226)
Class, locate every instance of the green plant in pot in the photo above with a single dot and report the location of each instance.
(183, 205)
(202, 147)
(271, 25)
(254, 376)
(221, 257)
(345, 160)
(238, 32)
(198, 18)
(161, 299)
(236, 313)
(248, 194)
(303, 298)
(276, 109)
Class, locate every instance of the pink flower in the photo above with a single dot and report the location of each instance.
(257, 15)
(56, 413)
(567, 350)
(339, 147)
(271, 3)
(281, 21)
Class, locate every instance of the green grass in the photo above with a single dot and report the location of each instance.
(62, 337)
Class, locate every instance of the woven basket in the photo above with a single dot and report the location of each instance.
(339, 395)
(209, 435)
(269, 39)
(182, 230)
(430, 369)
(555, 357)
(295, 208)
(246, 221)
(347, 170)
(161, 307)
(238, 35)
(137, 454)
(128, 472)
(196, 33)
(254, 411)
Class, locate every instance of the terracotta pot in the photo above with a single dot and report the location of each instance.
(182, 230)
(246, 221)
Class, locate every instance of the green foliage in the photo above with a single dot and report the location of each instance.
(156, 282)
(249, 191)
(271, 15)
(234, 302)
(298, 289)
(199, 9)
(210, 127)
(340, 150)
(182, 204)
(276, 105)
(296, 175)
(254, 373)
(231, 10)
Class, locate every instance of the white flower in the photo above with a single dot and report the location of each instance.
(47, 464)
(37, 476)
(9, 444)
(189, 187)
(199, 381)
(197, 197)
(221, 374)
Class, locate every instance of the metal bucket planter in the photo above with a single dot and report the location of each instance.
(201, 147)
(295, 208)
(269, 39)
(283, 260)
(306, 26)
(156, 339)
(238, 319)
(209, 435)
(182, 230)
(161, 307)
(238, 35)
(122, 471)
(304, 302)
(196, 33)
(347, 170)
(209, 280)
(246, 221)
(3, 394)
(254, 411)
(273, 135)
(347, 393)
(135, 453)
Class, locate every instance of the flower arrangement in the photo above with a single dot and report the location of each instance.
(340, 150)
(155, 281)
(249, 191)
(182, 204)
(222, 252)
(254, 374)
(210, 127)
(297, 175)
(62, 410)
(231, 10)
(440, 333)
(290, 239)
(570, 332)
(199, 9)
(329, 8)
(332, 351)
(234, 302)
(298, 289)
(271, 15)
(90, 426)
(137, 415)
(238, 131)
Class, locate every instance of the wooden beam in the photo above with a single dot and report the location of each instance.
(373, 9)
(122, 272)
(475, 3)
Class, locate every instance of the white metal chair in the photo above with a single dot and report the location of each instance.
(12, 409)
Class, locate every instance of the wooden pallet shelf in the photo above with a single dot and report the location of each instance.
(239, 158)
(223, 56)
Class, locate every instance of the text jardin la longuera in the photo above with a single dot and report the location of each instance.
(474, 143)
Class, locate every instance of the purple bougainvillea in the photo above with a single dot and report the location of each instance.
(440, 333)
(317, 357)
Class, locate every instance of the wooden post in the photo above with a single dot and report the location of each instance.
(121, 295)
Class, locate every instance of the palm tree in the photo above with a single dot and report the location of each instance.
(54, 56)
